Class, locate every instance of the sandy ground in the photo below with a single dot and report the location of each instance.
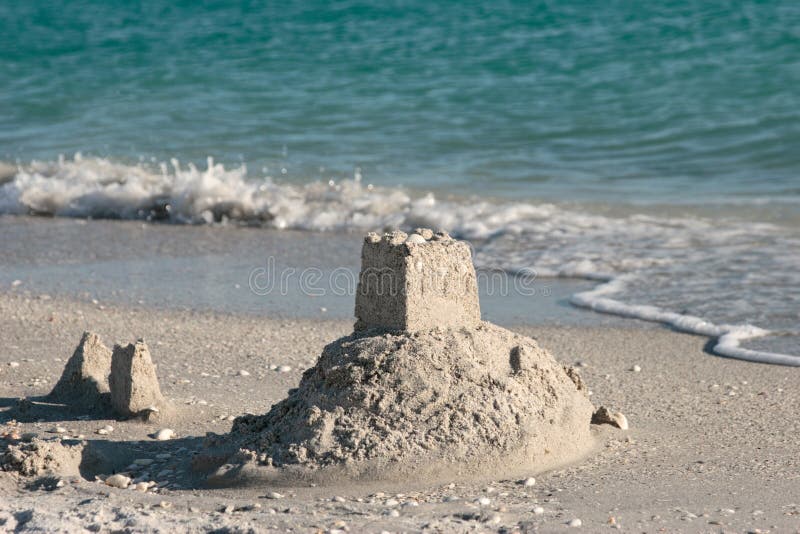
(713, 444)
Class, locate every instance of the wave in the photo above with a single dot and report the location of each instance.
(727, 338)
(720, 272)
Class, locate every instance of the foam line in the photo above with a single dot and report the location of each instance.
(728, 337)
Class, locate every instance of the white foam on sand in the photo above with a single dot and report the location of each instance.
(725, 275)
(728, 337)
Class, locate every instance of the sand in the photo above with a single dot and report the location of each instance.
(712, 444)
(84, 382)
(421, 388)
(472, 403)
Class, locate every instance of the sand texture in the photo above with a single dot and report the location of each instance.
(481, 402)
(712, 444)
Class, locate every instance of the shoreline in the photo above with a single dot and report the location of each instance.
(311, 275)
(184, 267)
(733, 420)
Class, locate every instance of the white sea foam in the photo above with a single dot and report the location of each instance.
(728, 337)
(724, 275)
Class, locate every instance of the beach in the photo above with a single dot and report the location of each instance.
(399, 267)
(711, 447)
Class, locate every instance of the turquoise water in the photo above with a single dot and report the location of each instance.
(650, 147)
(592, 100)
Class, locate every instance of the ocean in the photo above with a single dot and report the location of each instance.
(650, 148)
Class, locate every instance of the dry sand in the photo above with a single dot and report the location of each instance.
(713, 443)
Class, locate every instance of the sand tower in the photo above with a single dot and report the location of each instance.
(415, 282)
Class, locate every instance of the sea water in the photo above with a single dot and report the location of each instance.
(653, 148)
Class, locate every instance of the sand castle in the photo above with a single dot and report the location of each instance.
(97, 378)
(422, 388)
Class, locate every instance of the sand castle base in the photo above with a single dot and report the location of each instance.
(439, 405)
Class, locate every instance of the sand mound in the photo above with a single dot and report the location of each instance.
(40, 457)
(84, 382)
(476, 402)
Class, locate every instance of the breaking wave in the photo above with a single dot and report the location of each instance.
(722, 274)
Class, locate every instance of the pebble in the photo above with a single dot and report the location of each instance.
(636, 369)
(392, 502)
(59, 430)
(484, 501)
(118, 481)
(622, 421)
(141, 486)
(575, 523)
(13, 364)
(164, 456)
(415, 239)
(274, 495)
(604, 416)
(530, 481)
(338, 499)
(165, 434)
(244, 373)
(284, 369)
(538, 510)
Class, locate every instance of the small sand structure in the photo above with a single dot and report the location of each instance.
(422, 389)
(97, 378)
(84, 381)
(133, 381)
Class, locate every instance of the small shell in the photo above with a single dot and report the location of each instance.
(165, 434)
(118, 481)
